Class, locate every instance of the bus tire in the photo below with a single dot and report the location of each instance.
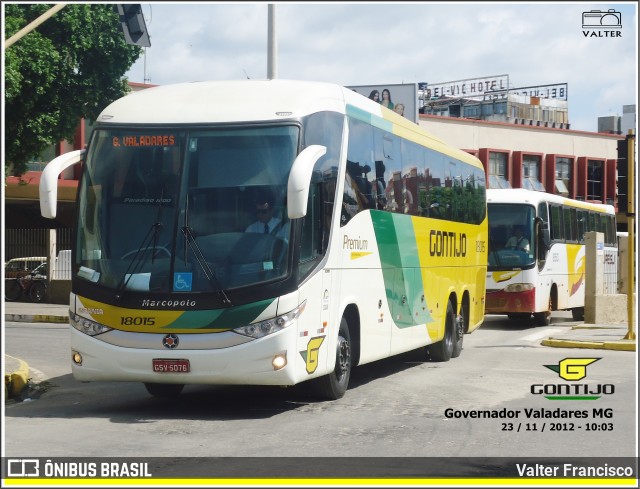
(458, 337)
(542, 318)
(442, 351)
(578, 313)
(37, 291)
(519, 317)
(12, 290)
(164, 390)
(334, 385)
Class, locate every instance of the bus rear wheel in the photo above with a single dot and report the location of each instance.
(334, 385)
(458, 336)
(164, 390)
(578, 313)
(443, 350)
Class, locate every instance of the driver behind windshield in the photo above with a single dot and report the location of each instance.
(518, 241)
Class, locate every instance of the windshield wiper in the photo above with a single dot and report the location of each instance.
(144, 247)
(138, 259)
(190, 240)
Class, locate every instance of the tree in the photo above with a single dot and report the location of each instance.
(70, 67)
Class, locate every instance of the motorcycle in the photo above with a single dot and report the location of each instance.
(32, 285)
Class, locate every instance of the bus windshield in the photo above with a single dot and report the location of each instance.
(174, 210)
(511, 233)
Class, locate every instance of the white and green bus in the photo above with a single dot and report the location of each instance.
(380, 248)
(537, 252)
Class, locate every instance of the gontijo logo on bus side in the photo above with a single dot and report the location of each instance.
(311, 354)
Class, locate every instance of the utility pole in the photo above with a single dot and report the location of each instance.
(272, 47)
(28, 28)
(631, 215)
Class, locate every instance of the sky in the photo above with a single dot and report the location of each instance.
(377, 43)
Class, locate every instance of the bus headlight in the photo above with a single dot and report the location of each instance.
(87, 326)
(518, 287)
(270, 326)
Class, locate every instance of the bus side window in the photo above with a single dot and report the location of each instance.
(556, 223)
(545, 228)
(582, 224)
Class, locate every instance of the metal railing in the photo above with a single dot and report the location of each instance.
(34, 242)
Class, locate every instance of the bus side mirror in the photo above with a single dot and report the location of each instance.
(300, 180)
(49, 181)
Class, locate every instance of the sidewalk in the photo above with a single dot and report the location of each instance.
(16, 371)
(590, 336)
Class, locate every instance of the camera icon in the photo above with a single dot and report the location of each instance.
(598, 19)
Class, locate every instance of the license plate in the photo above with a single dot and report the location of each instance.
(170, 365)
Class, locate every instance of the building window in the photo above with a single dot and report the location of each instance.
(594, 180)
(487, 109)
(563, 176)
(531, 173)
(471, 111)
(498, 177)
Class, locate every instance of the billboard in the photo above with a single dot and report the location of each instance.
(402, 98)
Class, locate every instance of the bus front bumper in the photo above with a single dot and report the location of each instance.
(500, 302)
(250, 363)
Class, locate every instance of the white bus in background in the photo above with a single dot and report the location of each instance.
(383, 247)
(542, 269)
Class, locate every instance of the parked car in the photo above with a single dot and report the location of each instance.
(19, 267)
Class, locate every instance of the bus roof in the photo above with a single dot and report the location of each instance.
(533, 197)
(211, 102)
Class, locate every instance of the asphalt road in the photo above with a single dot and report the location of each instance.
(393, 408)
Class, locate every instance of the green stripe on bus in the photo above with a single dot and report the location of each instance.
(374, 120)
(222, 319)
(401, 272)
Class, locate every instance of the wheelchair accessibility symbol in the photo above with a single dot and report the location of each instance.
(182, 282)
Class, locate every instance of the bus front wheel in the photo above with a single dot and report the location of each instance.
(334, 385)
(164, 390)
(443, 350)
(543, 318)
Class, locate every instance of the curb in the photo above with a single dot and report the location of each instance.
(16, 381)
(623, 345)
(36, 318)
